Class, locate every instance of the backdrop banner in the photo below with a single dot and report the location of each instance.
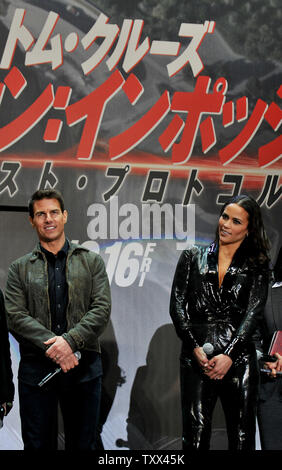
(147, 115)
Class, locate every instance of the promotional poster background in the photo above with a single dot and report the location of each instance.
(141, 403)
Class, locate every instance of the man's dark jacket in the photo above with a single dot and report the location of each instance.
(6, 375)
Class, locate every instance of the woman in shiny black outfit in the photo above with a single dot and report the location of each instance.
(217, 297)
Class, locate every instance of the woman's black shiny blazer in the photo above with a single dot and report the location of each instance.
(229, 316)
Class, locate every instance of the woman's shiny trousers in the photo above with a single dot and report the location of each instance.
(238, 392)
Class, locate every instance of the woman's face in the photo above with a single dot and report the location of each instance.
(233, 224)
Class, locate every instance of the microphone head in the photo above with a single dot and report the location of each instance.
(208, 348)
(78, 355)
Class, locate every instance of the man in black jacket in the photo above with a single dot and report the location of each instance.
(6, 376)
(270, 396)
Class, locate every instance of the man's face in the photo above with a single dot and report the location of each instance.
(49, 220)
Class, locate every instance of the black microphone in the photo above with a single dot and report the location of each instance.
(208, 349)
(56, 371)
(268, 371)
(265, 357)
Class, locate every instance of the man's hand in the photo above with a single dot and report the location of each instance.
(7, 406)
(61, 353)
(274, 367)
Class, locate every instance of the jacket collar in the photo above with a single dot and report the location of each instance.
(238, 260)
(37, 252)
(212, 257)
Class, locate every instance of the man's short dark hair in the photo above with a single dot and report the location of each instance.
(45, 194)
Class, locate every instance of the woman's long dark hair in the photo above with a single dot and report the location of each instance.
(256, 244)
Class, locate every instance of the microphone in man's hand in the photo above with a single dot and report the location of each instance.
(56, 371)
(208, 349)
(268, 371)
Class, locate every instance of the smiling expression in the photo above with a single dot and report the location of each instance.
(49, 221)
(233, 224)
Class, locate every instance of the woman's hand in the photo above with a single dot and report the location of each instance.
(218, 366)
(201, 358)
